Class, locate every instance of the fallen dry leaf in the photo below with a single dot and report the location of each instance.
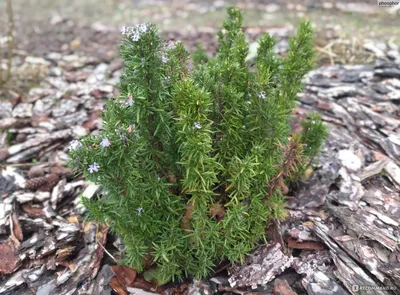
(101, 238)
(118, 288)
(73, 219)
(145, 285)
(124, 274)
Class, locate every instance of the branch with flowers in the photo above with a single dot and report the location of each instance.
(194, 163)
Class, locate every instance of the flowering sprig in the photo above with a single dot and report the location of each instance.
(262, 95)
(134, 33)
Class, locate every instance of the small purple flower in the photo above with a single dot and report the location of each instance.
(135, 36)
(262, 95)
(164, 59)
(130, 100)
(143, 28)
(139, 210)
(105, 142)
(125, 31)
(94, 167)
(75, 145)
(171, 44)
(197, 125)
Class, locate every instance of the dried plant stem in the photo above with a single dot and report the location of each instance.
(291, 157)
(108, 253)
(281, 241)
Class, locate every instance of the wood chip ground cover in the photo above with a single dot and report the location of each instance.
(343, 226)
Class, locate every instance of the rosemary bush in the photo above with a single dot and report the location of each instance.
(196, 154)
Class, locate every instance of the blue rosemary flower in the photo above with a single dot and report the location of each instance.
(143, 28)
(135, 36)
(94, 167)
(75, 145)
(164, 59)
(171, 44)
(125, 31)
(105, 142)
(262, 95)
(197, 125)
(139, 211)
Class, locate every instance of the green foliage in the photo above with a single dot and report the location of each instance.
(199, 56)
(193, 164)
(313, 134)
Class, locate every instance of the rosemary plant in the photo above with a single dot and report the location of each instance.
(195, 155)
